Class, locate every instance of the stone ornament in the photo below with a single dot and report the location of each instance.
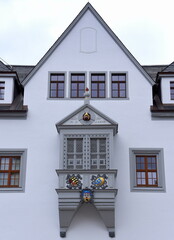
(73, 181)
(99, 181)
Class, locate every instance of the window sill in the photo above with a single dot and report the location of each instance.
(148, 189)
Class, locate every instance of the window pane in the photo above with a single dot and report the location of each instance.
(70, 145)
(79, 145)
(53, 93)
(122, 94)
(101, 86)
(115, 86)
(53, 86)
(94, 93)
(101, 93)
(115, 94)
(94, 86)
(122, 86)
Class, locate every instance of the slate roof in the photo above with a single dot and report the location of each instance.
(152, 70)
(4, 68)
(169, 68)
(23, 71)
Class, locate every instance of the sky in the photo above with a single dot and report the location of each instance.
(28, 28)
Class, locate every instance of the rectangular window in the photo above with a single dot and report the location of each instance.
(77, 85)
(12, 170)
(147, 170)
(118, 85)
(9, 171)
(57, 85)
(98, 153)
(172, 90)
(98, 85)
(2, 90)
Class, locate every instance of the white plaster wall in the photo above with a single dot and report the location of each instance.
(9, 90)
(34, 214)
(165, 89)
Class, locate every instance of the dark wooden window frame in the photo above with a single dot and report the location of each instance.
(142, 167)
(2, 88)
(172, 90)
(58, 90)
(10, 171)
(98, 86)
(118, 83)
(79, 90)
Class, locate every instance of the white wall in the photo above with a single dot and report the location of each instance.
(34, 214)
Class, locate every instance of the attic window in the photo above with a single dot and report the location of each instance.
(57, 82)
(2, 90)
(118, 85)
(172, 90)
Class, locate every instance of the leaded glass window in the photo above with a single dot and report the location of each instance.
(9, 171)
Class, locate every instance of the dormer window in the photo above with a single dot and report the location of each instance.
(172, 90)
(2, 90)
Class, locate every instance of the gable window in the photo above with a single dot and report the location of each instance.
(85, 151)
(2, 89)
(12, 170)
(57, 85)
(77, 85)
(147, 169)
(172, 90)
(118, 85)
(98, 85)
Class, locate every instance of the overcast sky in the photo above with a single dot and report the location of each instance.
(28, 28)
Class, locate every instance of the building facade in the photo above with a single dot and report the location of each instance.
(86, 141)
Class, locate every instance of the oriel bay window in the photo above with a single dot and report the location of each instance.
(77, 85)
(86, 152)
(57, 85)
(98, 85)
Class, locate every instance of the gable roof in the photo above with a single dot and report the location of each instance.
(87, 7)
(98, 120)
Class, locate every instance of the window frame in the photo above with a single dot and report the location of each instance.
(98, 82)
(57, 83)
(86, 158)
(158, 152)
(171, 88)
(2, 88)
(126, 85)
(76, 82)
(22, 153)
